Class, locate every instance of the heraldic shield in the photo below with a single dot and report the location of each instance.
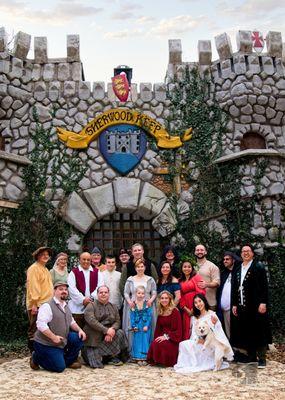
(123, 146)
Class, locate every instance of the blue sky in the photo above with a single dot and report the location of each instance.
(135, 32)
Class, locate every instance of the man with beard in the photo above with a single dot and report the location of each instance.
(210, 274)
(55, 347)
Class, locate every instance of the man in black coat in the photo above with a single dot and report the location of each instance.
(251, 329)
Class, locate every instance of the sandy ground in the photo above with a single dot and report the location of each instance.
(132, 382)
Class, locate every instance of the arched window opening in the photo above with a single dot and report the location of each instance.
(252, 140)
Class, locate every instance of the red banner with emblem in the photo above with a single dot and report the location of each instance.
(121, 87)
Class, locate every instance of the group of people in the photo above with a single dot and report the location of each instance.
(125, 309)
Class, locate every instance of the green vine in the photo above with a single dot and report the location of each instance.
(35, 223)
(216, 188)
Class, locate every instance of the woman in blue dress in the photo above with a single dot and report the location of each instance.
(168, 282)
(141, 321)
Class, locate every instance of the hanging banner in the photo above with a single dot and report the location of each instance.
(121, 87)
(118, 116)
(257, 41)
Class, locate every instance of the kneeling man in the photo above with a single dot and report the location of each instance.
(104, 338)
(55, 346)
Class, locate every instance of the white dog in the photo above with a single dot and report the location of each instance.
(204, 332)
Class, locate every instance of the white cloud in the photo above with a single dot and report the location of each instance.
(126, 11)
(125, 33)
(175, 25)
(251, 8)
(144, 20)
(58, 15)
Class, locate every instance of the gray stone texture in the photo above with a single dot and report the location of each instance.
(77, 213)
(101, 200)
(152, 201)
(22, 45)
(126, 192)
(40, 49)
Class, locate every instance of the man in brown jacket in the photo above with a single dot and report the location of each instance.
(102, 328)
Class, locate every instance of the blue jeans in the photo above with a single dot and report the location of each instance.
(55, 359)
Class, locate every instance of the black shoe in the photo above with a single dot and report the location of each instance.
(261, 363)
(241, 358)
(115, 361)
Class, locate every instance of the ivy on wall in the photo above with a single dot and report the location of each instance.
(216, 188)
(35, 223)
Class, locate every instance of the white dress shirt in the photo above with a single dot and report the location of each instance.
(244, 270)
(226, 294)
(76, 298)
(112, 280)
(45, 314)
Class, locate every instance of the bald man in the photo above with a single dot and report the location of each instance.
(83, 282)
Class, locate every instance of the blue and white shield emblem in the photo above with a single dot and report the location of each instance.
(123, 146)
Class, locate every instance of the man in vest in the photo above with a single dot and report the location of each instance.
(55, 347)
(83, 282)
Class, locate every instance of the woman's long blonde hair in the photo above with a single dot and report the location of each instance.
(171, 305)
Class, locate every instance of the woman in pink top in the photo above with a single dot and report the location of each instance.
(189, 288)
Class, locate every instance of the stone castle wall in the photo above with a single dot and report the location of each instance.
(248, 86)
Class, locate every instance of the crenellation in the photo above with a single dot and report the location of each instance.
(224, 46)
(98, 90)
(22, 45)
(84, 90)
(274, 44)
(159, 91)
(175, 51)
(3, 39)
(73, 48)
(205, 52)
(40, 50)
(146, 93)
(244, 42)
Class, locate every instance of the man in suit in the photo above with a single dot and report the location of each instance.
(251, 329)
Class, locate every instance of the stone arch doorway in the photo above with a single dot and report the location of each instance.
(123, 195)
(122, 230)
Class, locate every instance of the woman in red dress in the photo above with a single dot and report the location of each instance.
(189, 288)
(168, 333)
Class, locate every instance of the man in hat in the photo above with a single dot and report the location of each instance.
(225, 289)
(83, 282)
(39, 288)
(55, 346)
(96, 259)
